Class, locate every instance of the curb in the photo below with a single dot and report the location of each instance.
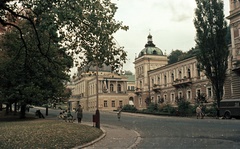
(92, 142)
(138, 140)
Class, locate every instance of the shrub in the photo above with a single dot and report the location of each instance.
(153, 107)
(129, 108)
(211, 111)
(184, 108)
(168, 109)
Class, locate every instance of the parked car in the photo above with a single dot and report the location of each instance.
(230, 108)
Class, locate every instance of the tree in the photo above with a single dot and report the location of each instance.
(85, 27)
(211, 33)
(78, 27)
(178, 55)
(174, 56)
(26, 77)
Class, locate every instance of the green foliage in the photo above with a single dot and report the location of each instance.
(201, 98)
(178, 55)
(84, 27)
(28, 76)
(44, 35)
(168, 109)
(211, 29)
(152, 107)
(184, 108)
(174, 56)
(211, 111)
(129, 108)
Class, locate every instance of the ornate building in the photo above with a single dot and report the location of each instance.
(232, 84)
(160, 82)
(113, 90)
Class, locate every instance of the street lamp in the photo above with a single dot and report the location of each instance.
(97, 114)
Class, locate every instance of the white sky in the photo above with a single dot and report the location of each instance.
(170, 22)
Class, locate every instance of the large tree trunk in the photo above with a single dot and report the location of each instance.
(1, 106)
(15, 108)
(10, 107)
(23, 111)
(7, 109)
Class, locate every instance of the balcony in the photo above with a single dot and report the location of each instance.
(138, 91)
(156, 88)
(182, 83)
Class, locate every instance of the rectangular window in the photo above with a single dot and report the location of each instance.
(140, 101)
(132, 88)
(152, 99)
(172, 98)
(105, 103)
(188, 95)
(209, 91)
(198, 93)
(159, 99)
(120, 103)
(113, 103)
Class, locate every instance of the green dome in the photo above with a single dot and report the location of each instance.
(150, 48)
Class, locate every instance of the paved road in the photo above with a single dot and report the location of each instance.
(178, 132)
(175, 132)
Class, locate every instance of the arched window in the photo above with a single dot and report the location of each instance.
(111, 87)
(172, 77)
(189, 73)
(165, 80)
(180, 74)
(140, 84)
(159, 80)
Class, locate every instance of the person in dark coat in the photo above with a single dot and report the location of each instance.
(79, 113)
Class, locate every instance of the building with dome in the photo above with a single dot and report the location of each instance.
(159, 82)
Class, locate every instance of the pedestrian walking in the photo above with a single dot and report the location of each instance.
(79, 113)
(119, 113)
(199, 111)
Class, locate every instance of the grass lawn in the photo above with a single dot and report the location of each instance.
(43, 133)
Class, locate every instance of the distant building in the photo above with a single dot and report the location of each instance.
(160, 82)
(113, 90)
(232, 84)
(130, 88)
(156, 81)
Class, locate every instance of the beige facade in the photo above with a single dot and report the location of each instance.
(169, 83)
(159, 82)
(112, 91)
(232, 84)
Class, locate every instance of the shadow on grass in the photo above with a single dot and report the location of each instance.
(33, 132)
(12, 116)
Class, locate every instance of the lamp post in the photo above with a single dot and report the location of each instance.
(97, 114)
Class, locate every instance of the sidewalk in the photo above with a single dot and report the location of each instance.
(114, 138)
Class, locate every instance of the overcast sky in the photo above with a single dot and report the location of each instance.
(170, 22)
